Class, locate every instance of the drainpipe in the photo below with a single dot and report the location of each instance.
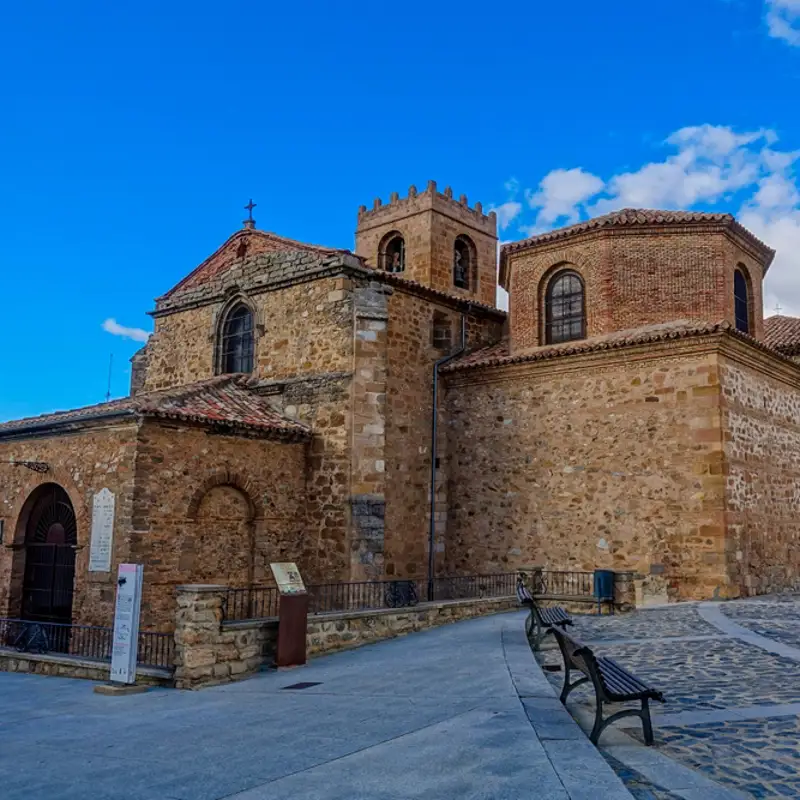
(434, 429)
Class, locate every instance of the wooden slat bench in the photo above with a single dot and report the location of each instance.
(540, 621)
(612, 684)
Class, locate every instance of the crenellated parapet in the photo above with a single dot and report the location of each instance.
(431, 199)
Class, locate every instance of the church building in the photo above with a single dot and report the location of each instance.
(373, 414)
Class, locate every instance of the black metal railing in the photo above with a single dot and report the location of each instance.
(257, 602)
(325, 598)
(557, 583)
(466, 587)
(91, 642)
(262, 602)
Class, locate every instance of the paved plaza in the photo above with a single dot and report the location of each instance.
(731, 675)
(462, 711)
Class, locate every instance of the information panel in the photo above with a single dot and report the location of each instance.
(125, 645)
(100, 544)
(287, 576)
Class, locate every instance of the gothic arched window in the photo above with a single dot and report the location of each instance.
(462, 262)
(237, 340)
(741, 301)
(392, 253)
(565, 316)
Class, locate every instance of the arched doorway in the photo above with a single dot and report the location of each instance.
(51, 536)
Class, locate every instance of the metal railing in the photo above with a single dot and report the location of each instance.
(91, 642)
(468, 587)
(557, 583)
(262, 602)
(257, 602)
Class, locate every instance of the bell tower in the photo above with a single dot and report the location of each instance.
(430, 238)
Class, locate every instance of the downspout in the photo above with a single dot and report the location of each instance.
(434, 430)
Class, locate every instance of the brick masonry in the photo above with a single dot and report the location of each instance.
(635, 278)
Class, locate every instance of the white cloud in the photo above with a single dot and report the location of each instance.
(562, 193)
(507, 213)
(783, 20)
(137, 334)
(706, 166)
(711, 161)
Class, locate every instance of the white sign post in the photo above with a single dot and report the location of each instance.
(126, 624)
(102, 531)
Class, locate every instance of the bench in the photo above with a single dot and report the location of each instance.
(540, 621)
(612, 684)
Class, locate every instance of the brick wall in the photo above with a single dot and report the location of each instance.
(609, 460)
(634, 278)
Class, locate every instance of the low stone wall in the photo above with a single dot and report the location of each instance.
(209, 651)
(331, 632)
(72, 667)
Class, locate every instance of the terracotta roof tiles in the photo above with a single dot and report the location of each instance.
(498, 355)
(783, 334)
(222, 402)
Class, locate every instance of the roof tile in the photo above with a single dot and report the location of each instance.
(498, 355)
(783, 334)
(224, 401)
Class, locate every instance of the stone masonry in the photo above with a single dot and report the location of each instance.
(663, 442)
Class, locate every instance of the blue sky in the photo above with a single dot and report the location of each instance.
(132, 135)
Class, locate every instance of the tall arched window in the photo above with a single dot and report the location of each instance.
(236, 343)
(392, 253)
(741, 301)
(463, 256)
(565, 316)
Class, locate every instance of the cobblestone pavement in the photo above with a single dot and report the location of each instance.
(728, 712)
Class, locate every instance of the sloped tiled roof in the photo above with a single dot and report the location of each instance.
(253, 242)
(631, 218)
(498, 354)
(783, 333)
(222, 402)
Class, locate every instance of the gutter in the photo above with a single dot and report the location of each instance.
(434, 429)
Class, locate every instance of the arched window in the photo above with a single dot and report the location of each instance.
(741, 301)
(565, 317)
(463, 257)
(392, 253)
(236, 343)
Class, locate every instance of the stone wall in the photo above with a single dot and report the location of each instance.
(411, 356)
(209, 651)
(635, 278)
(72, 667)
(607, 460)
(761, 418)
(301, 330)
(212, 508)
(82, 463)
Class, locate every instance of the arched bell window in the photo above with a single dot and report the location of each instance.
(237, 340)
(392, 253)
(741, 301)
(463, 262)
(565, 311)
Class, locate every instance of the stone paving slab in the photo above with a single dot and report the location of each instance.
(733, 710)
(461, 711)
